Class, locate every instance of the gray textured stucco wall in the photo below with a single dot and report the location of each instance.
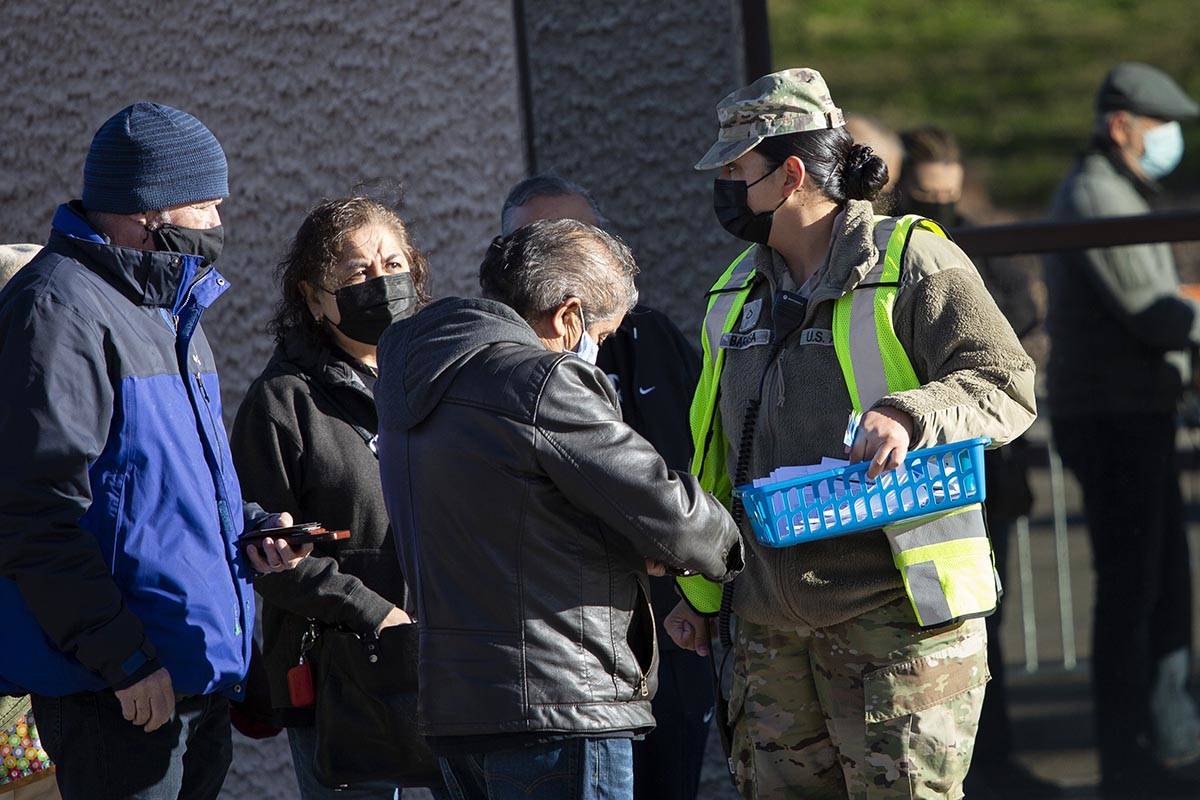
(311, 98)
(624, 96)
(307, 99)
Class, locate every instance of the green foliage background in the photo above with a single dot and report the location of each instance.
(1013, 79)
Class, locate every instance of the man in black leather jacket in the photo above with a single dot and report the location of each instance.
(654, 369)
(526, 513)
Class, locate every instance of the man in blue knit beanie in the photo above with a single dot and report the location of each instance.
(129, 605)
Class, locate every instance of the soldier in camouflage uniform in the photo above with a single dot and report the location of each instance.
(874, 707)
(837, 690)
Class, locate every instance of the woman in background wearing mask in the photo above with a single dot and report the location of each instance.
(851, 678)
(303, 442)
(931, 183)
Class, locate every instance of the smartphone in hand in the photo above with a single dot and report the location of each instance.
(295, 535)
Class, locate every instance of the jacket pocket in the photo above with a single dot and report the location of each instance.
(471, 682)
(642, 643)
(922, 715)
(112, 528)
(941, 674)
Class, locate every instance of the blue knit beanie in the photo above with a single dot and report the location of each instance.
(148, 157)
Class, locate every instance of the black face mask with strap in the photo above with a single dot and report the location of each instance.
(206, 243)
(368, 308)
(735, 216)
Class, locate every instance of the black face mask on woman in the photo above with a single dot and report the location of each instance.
(368, 308)
(204, 242)
(735, 216)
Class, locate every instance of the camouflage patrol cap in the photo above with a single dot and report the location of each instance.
(791, 101)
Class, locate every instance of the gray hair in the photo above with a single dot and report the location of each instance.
(545, 185)
(536, 268)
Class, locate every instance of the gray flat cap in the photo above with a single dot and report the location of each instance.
(1144, 90)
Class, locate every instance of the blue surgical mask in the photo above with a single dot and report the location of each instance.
(1164, 150)
(586, 348)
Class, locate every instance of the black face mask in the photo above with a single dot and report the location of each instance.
(944, 214)
(206, 243)
(729, 201)
(368, 308)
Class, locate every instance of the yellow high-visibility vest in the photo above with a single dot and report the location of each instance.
(945, 560)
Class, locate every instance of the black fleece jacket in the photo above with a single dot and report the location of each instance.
(297, 447)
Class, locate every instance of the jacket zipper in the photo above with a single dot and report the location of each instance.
(204, 394)
(219, 466)
(642, 596)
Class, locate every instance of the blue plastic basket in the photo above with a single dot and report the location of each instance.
(842, 500)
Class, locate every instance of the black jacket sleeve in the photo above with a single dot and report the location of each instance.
(605, 468)
(56, 407)
(656, 371)
(269, 456)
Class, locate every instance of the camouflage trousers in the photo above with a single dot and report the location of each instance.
(875, 707)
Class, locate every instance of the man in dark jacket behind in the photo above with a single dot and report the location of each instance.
(527, 513)
(1119, 333)
(654, 371)
(129, 610)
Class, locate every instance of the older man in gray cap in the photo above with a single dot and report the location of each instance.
(1120, 333)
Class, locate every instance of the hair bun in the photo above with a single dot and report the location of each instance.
(864, 174)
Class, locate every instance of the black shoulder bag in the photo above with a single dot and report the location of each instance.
(366, 695)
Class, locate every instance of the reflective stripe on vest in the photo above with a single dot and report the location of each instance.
(727, 297)
(945, 561)
(876, 364)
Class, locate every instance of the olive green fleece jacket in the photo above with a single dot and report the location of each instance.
(976, 381)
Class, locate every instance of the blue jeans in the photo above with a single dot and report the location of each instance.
(573, 769)
(99, 755)
(303, 742)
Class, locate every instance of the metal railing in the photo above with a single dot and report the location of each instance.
(1052, 236)
(1062, 564)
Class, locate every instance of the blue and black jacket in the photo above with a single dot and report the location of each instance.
(119, 505)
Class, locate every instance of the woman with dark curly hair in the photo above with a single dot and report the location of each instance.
(304, 441)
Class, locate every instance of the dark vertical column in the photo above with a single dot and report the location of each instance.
(524, 88)
(757, 39)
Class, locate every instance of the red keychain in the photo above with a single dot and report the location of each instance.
(300, 677)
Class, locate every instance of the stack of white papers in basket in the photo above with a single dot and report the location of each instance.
(845, 513)
(790, 473)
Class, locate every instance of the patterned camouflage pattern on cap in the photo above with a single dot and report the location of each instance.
(791, 101)
(873, 707)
